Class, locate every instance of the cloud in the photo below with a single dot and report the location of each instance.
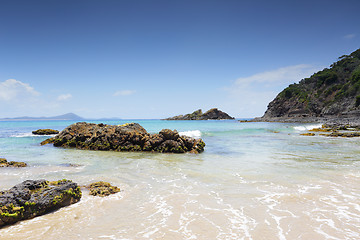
(288, 74)
(64, 97)
(12, 89)
(350, 36)
(249, 96)
(124, 93)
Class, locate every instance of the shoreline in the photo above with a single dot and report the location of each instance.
(353, 121)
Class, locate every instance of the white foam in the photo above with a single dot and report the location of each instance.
(194, 134)
(29, 134)
(307, 127)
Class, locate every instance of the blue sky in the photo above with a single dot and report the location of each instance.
(155, 59)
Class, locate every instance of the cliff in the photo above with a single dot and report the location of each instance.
(212, 114)
(333, 93)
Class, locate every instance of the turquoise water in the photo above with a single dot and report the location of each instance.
(254, 181)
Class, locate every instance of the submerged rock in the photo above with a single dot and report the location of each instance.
(5, 163)
(33, 198)
(212, 114)
(127, 137)
(102, 189)
(45, 132)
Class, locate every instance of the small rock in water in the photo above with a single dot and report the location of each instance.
(5, 163)
(45, 132)
(102, 189)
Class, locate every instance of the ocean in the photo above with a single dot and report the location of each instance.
(253, 181)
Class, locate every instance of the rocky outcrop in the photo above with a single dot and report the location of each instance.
(127, 137)
(212, 114)
(5, 163)
(102, 189)
(45, 132)
(33, 198)
(332, 94)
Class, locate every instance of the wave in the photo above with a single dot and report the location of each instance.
(28, 134)
(308, 127)
(194, 134)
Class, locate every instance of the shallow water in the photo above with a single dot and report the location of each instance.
(254, 181)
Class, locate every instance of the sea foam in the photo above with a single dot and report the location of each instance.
(307, 127)
(194, 134)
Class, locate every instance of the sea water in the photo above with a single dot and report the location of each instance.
(253, 181)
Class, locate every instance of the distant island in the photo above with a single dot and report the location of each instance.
(212, 114)
(330, 95)
(67, 116)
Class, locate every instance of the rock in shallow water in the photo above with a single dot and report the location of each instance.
(5, 163)
(33, 198)
(45, 132)
(127, 137)
(102, 189)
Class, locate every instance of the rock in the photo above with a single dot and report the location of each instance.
(127, 137)
(45, 132)
(5, 163)
(307, 134)
(212, 114)
(102, 189)
(33, 198)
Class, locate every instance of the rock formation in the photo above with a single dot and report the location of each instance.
(5, 163)
(33, 198)
(45, 132)
(102, 189)
(127, 137)
(331, 94)
(212, 114)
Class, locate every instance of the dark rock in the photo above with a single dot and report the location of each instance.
(45, 132)
(102, 189)
(127, 137)
(5, 163)
(212, 114)
(33, 198)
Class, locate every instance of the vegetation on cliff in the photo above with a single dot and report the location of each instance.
(334, 91)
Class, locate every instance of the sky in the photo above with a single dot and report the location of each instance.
(149, 59)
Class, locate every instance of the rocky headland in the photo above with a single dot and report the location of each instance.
(212, 114)
(33, 198)
(329, 96)
(126, 137)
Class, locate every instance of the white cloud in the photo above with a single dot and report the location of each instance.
(12, 89)
(249, 96)
(64, 97)
(349, 36)
(124, 93)
(288, 74)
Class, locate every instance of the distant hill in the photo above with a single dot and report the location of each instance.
(212, 114)
(331, 93)
(67, 116)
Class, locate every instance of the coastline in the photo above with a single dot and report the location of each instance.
(332, 121)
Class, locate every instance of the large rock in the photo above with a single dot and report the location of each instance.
(127, 137)
(212, 114)
(32, 198)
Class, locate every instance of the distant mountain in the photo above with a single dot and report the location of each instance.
(67, 116)
(331, 93)
(212, 114)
